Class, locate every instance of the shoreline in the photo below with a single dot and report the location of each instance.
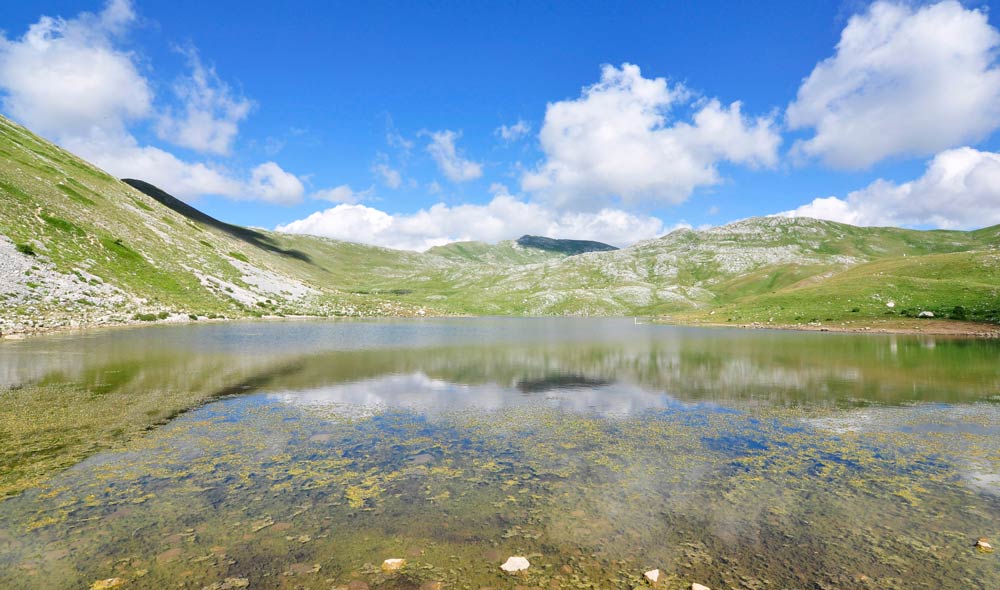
(89, 328)
(927, 327)
(915, 327)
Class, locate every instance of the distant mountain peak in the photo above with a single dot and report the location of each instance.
(568, 247)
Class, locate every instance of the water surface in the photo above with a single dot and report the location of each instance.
(598, 448)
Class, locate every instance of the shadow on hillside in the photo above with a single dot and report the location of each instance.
(252, 237)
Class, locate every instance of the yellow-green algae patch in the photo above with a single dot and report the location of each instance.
(264, 490)
(733, 459)
(57, 421)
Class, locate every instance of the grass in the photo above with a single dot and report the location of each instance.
(962, 286)
(167, 255)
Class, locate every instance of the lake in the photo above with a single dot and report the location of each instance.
(303, 454)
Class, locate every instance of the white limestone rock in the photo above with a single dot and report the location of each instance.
(515, 564)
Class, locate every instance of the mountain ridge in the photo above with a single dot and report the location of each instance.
(80, 248)
(564, 246)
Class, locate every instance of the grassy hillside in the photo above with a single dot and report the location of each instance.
(79, 247)
(506, 252)
(960, 286)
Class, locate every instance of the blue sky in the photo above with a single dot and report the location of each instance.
(384, 122)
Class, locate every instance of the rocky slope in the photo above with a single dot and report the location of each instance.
(80, 248)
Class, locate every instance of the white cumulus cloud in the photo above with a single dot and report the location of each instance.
(72, 81)
(504, 217)
(960, 189)
(65, 76)
(452, 164)
(618, 140)
(906, 79)
(209, 121)
(270, 183)
(121, 155)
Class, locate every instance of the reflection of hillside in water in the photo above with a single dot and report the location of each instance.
(721, 365)
(799, 373)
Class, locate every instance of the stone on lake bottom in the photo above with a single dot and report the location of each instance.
(301, 569)
(652, 575)
(169, 555)
(393, 564)
(107, 584)
(983, 545)
(697, 586)
(515, 563)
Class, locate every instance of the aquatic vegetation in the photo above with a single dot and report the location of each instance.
(624, 461)
(705, 494)
(50, 425)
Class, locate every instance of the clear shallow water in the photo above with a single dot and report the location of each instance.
(598, 448)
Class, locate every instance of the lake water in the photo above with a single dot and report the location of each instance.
(598, 449)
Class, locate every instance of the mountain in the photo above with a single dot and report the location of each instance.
(506, 252)
(524, 250)
(568, 247)
(79, 248)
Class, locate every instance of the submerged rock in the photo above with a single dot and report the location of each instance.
(983, 545)
(652, 575)
(107, 584)
(515, 563)
(422, 459)
(393, 564)
(169, 555)
(697, 586)
(301, 569)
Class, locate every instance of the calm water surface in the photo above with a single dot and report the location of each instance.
(599, 449)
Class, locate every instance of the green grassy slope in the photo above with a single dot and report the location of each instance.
(506, 252)
(691, 270)
(960, 286)
(78, 246)
(83, 246)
